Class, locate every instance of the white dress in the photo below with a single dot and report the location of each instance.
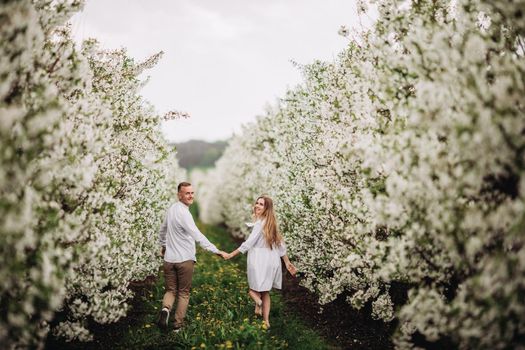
(264, 264)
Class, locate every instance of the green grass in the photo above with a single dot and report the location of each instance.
(220, 314)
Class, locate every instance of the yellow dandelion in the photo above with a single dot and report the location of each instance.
(203, 345)
(147, 326)
(229, 344)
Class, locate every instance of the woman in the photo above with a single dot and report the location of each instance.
(265, 247)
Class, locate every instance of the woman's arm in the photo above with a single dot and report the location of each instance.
(232, 254)
(252, 238)
(289, 266)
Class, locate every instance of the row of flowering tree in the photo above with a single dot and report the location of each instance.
(402, 163)
(84, 177)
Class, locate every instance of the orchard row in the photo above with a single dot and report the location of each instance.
(85, 176)
(401, 165)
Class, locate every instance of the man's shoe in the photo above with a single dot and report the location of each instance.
(164, 318)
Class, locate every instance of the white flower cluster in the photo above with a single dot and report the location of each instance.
(403, 164)
(84, 177)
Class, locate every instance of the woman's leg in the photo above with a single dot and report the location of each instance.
(266, 308)
(256, 296)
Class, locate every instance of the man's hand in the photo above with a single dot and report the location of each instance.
(162, 251)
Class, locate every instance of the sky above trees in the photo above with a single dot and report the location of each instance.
(224, 60)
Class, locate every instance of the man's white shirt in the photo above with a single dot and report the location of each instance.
(179, 233)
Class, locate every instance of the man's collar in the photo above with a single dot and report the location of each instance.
(187, 206)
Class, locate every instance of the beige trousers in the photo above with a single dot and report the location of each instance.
(178, 278)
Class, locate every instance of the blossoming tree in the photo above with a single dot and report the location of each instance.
(85, 176)
(402, 163)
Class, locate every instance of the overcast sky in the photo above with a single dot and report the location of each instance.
(224, 59)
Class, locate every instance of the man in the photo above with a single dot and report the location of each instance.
(177, 237)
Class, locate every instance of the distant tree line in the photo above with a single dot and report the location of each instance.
(199, 154)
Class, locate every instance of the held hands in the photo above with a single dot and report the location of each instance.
(224, 255)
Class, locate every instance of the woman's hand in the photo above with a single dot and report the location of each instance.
(231, 255)
(291, 268)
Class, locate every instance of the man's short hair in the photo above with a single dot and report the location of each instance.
(182, 184)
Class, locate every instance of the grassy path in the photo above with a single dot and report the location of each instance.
(220, 315)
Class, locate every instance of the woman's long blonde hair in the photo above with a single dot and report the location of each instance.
(270, 229)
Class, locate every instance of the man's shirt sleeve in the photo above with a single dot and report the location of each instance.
(193, 230)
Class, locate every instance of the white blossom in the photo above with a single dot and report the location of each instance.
(81, 199)
(402, 164)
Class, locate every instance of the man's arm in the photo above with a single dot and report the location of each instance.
(162, 235)
(189, 225)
